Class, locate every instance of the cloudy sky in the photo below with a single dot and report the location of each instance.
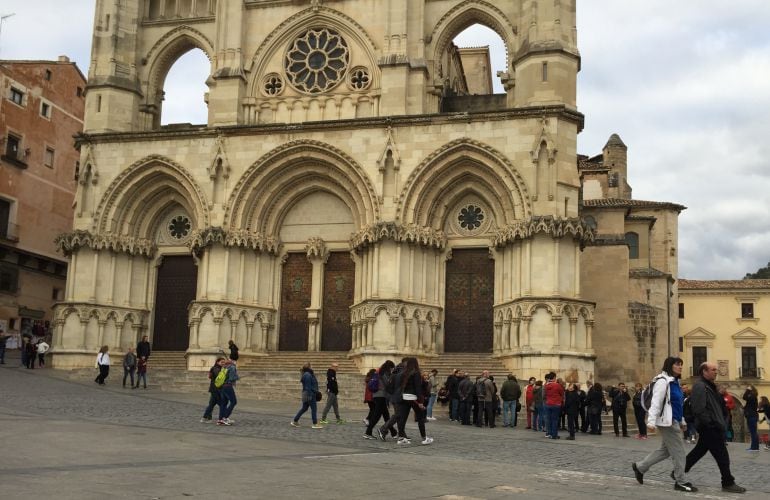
(686, 84)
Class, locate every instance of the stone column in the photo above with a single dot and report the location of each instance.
(265, 337)
(515, 332)
(407, 329)
(370, 332)
(589, 334)
(497, 338)
(556, 319)
(95, 274)
(433, 328)
(83, 327)
(507, 334)
(194, 331)
(393, 328)
(318, 255)
(111, 287)
(420, 335)
(100, 337)
(525, 330)
(572, 330)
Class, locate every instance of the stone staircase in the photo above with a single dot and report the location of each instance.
(473, 363)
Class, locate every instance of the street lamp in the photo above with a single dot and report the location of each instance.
(3, 18)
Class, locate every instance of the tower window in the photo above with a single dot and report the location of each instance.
(632, 240)
(545, 71)
(747, 310)
(17, 96)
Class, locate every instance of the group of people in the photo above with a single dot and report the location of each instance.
(222, 380)
(32, 352)
(134, 362)
(478, 401)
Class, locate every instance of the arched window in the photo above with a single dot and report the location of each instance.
(632, 240)
(184, 90)
(469, 41)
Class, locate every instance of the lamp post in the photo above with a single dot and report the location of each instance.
(3, 18)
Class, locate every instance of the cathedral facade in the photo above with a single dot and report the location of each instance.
(348, 193)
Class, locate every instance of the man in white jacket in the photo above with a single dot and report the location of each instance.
(666, 415)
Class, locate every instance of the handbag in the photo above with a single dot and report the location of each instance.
(318, 396)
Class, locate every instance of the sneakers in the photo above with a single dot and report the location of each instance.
(644, 438)
(206, 420)
(734, 488)
(404, 440)
(229, 422)
(752, 449)
(688, 487)
(294, 424)
(430, 419)
(380, 435)
(341, 421)
(316, 426)
(428, 440)
(223, 422)
(365, 421)
(639, 475)
(323, 421)
(369, 436)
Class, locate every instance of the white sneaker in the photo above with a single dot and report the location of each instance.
(403, 441)
(365, 421)
(316, 426)
(229, 421)
(428, 440)
(294, 424)
(430, 419)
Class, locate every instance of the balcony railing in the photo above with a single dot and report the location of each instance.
(754, 372)
(9, 232)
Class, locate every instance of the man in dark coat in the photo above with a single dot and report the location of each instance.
(452, 382)
(143, 348)
(707, 406)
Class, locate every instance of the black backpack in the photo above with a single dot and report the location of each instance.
(646, 398)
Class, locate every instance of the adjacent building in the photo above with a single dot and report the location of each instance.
(41, 110)
(726, 322)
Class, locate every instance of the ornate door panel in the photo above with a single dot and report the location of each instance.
(296, 278)
(339, 281)
(470, 281)
(177, 282)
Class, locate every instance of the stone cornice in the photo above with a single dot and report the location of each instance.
(547, 225)
(242, 238)
(69, 243)
(425, 236)
(198, 131)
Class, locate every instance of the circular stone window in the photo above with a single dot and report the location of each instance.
(470, 217)
(317, 60)
(359, 78)
(272, 84)
(179, 227)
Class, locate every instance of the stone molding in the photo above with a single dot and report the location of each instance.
(395, 231)
(221, 310)
(85, 311)
(523, 308)
(69, 243)
(367, 310)
(549, 225)
(241, 238)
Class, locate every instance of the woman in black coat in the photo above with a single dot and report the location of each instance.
(595, 398)
(571, 409)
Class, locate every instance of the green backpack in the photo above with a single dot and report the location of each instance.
(221, 377)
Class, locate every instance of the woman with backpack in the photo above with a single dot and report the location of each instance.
(214, 399)
(378, 385)
(226, 379)
(309, 397)
(666, 414)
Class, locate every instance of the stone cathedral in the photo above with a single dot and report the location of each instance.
(357, 188)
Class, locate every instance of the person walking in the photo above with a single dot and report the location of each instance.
(143, 348)
(764, 409)
(750, 412)
(103, 364)
(369, 394)
(129, 366)
(309, 398)
(410, 383)
(666, 415)
(529, 400)
(332, 390)
(141, 372)
(30, 349)
(510, 393)
(707, 405)
(227, 393)
(42, 348)
(380, 397)
(214, 399)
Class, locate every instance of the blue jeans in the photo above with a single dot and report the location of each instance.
(751, 423)
(227, 393)
(312, 404)
(454, 409)
(553, 413)
(509, 407)
(431, 402)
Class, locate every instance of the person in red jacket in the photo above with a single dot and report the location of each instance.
(530, 400)
(553, 400)
(729, 407)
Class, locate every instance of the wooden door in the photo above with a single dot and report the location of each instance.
(296, 283)
(176, 285)
(469, 301)
(339, 282)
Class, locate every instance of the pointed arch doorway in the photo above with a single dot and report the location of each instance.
(176, 286)
(469, 301)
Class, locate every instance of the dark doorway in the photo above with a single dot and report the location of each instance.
(339, 281)
(296, 282)
(177, 282)
(470, 280)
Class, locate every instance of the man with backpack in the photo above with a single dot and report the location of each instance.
(485, 394)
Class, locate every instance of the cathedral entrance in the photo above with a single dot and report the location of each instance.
(296, 283)
(468, 313)
(339, 281)
(176, 286)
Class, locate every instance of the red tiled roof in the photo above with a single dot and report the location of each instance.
(621, 203)
(722, 284)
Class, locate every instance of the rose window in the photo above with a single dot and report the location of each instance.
(470, 217)
(359, 79)
(317, 60)
(273, 84)
(179, 227)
